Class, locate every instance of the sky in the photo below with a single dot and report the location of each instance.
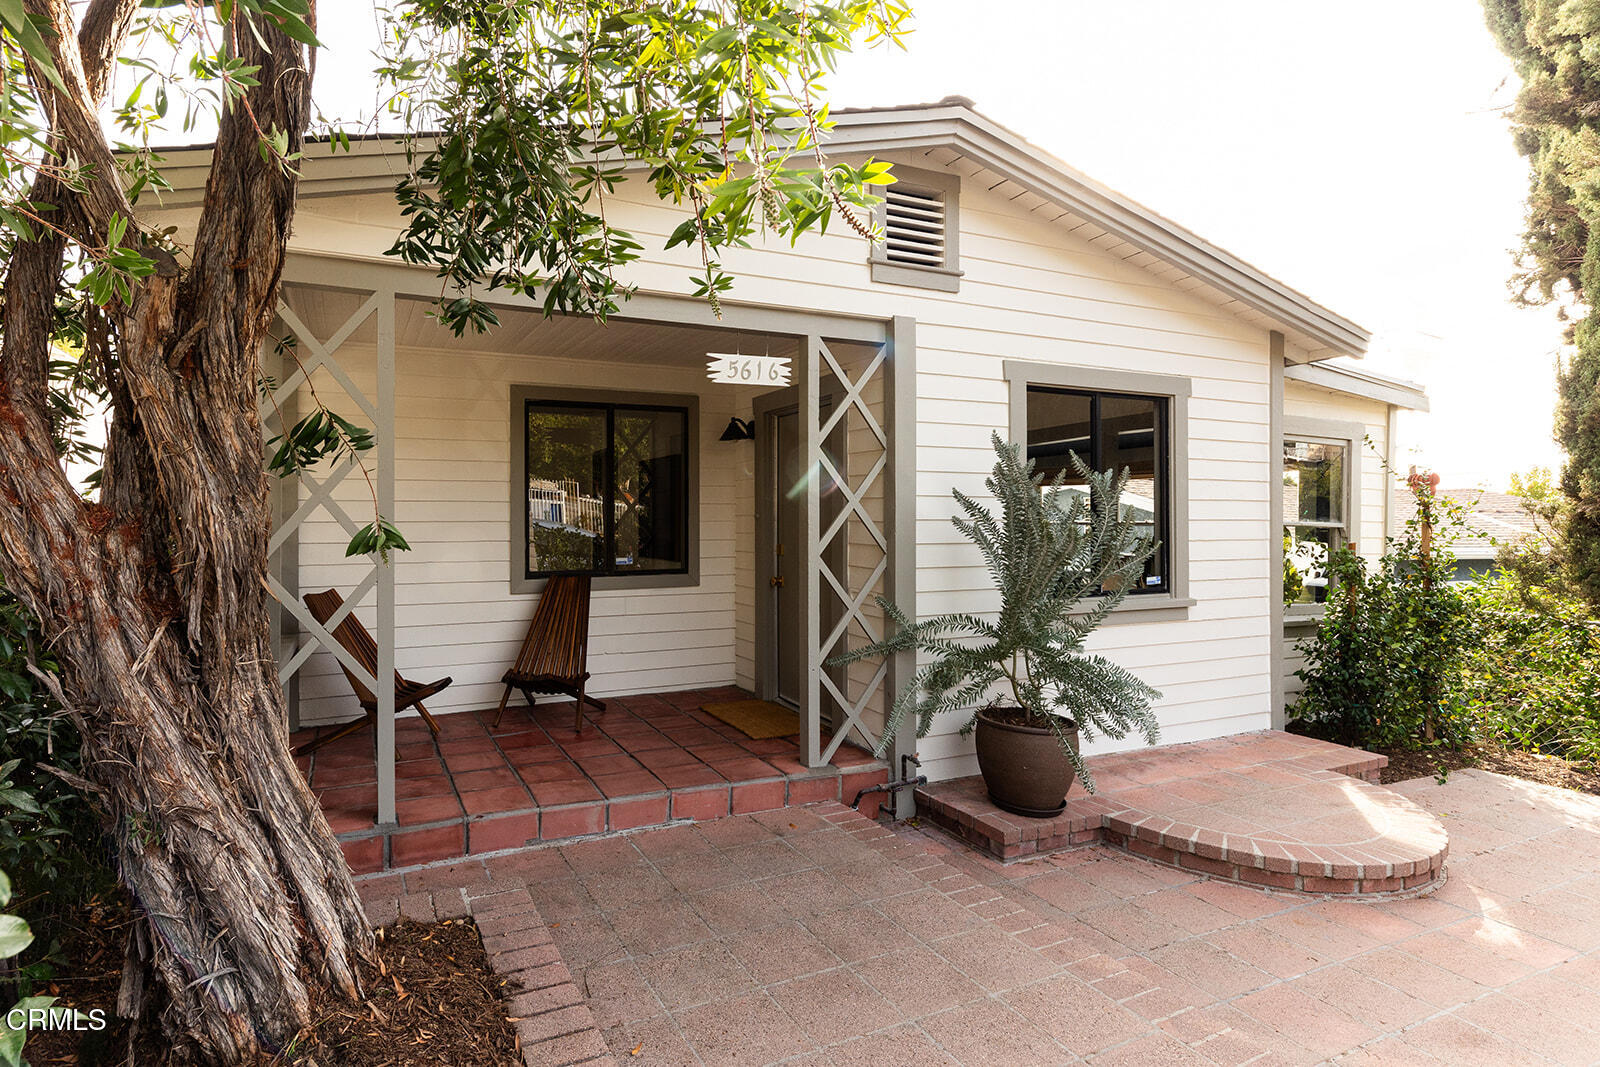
(1357, 152)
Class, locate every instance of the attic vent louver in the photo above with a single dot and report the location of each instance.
(914, 228)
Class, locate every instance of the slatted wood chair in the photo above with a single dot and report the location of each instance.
(358, 642)
(555, 654)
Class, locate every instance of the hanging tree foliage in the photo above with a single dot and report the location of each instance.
(152, 593)
(1555, 49)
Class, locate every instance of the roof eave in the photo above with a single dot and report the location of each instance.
(997, 148)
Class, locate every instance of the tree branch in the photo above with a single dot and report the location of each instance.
(105, 28)
(75, 122)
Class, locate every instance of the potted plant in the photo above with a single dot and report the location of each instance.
(1061, 560)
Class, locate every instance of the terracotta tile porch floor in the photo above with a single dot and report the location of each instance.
(1268, 808)
(645, 761)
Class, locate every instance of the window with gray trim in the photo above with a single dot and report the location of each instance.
(1109, 431)
(607, 488)
(1315, 519)
(1320, 468)
(1163, 400)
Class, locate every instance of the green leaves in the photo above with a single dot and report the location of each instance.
(537, 104)
(25, 33)
(380, 538)
(1047, 555)
(315, 437)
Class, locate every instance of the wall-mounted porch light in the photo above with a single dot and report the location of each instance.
(738, 430)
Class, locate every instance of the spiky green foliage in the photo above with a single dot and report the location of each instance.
(1049, 550)
(1554, 45)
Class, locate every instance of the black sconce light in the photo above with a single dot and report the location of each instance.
(738, 430)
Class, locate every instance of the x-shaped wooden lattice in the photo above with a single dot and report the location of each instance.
(319, 354)
(854, 506)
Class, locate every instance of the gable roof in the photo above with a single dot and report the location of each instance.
(953, 136)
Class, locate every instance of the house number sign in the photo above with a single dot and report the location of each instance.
(747, 370)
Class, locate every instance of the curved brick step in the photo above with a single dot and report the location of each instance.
(1268, 809)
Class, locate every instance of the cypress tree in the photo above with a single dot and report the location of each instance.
(1554, 47)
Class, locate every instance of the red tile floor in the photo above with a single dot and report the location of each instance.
(645, 761)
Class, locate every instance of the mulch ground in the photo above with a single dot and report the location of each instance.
(432, 999)
(1547, 770)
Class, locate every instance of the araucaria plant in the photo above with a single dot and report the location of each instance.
(1061, 560)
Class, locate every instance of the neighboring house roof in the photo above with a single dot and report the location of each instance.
(1341, 376)
(949, 134)
(1491, 517)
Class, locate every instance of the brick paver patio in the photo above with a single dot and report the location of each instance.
(815, 936)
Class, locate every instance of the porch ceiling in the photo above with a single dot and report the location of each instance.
(525, 332)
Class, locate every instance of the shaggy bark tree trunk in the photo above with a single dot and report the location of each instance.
(154, 599)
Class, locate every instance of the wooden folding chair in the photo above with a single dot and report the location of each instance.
(555, 654)
(353, 637)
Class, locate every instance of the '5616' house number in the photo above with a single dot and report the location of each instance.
(747, 370)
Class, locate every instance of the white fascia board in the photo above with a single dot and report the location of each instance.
(1394, 391)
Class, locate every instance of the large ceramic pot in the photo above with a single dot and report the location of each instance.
(1024, 767)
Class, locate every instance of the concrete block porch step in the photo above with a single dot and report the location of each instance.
(1269, 809)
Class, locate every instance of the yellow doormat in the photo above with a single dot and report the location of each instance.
(756, 719)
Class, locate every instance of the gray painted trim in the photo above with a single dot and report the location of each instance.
(1392, 391)
(1020, 374)
(1391, 477)
(341, 272)
(764, 409)
(285, 563)
(1335, 431)
(945, 279)
(518, 500)
(901, 531)
(386, 636)
(1276, 606)
(809, 365)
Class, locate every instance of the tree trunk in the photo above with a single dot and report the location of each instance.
(154, 599)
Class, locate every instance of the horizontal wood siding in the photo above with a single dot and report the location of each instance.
(454, 612)
(1032, 291)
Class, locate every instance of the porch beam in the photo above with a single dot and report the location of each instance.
(900, 528)
(809, 372)
(403, 280)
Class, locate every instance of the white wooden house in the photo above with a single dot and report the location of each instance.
(1013, 294)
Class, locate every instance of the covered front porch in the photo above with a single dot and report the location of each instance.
(757, 559)
(645, 761)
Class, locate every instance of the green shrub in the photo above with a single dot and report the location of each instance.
(1529, 679)
(49, 834)
(46, 825)
(1382, 668)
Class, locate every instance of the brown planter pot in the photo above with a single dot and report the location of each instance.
(1024, 767)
